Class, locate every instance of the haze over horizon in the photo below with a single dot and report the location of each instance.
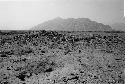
(21, 15)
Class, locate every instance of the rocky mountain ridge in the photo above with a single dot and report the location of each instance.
(72, 24)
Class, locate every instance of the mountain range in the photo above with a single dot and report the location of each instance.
(118, 26)
(72, 24)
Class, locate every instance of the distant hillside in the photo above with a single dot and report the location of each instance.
(71, 24)
(118, 26)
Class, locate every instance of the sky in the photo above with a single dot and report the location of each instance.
(24, 14)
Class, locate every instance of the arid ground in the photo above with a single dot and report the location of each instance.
(60, 57)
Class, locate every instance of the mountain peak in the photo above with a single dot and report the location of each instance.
(58, 18)
(72, 24)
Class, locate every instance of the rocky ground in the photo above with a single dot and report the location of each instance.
(60, 57)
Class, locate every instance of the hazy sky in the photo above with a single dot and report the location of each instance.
(23, 14)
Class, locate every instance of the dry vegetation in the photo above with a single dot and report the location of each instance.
(60, 57)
